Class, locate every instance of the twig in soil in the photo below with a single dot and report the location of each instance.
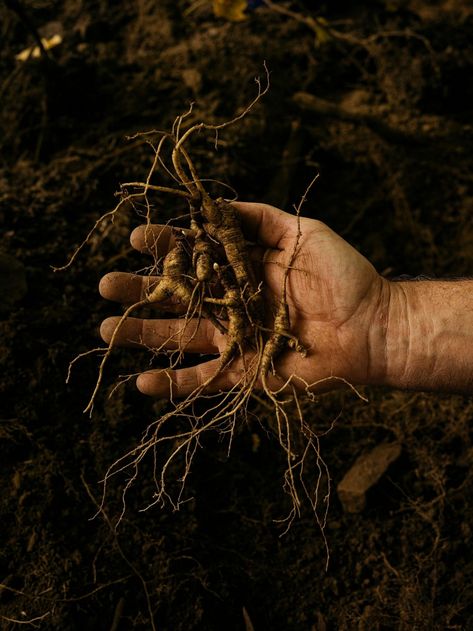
(364, 116)
(31, 621)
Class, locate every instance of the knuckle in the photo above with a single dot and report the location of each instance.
(185, 381)
(136, 237)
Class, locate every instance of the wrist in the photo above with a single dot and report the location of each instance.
(428, 341)
(408, 342)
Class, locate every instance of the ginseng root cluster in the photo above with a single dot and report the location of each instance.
(209, 272)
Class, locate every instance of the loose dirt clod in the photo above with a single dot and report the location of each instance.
(364, 474)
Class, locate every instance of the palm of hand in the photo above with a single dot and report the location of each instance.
(334, 297)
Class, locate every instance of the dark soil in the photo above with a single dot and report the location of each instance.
(394, 150)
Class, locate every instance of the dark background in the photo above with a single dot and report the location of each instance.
(394, 149)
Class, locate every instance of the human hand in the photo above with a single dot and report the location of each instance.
(338, 307)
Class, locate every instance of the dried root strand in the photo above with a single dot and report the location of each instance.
(223, 224)
(281, 337)
(238, 324)
(176, 284)
(203, 254)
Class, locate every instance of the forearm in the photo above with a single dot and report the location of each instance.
(429, 336)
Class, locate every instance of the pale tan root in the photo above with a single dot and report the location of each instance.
(108, 351)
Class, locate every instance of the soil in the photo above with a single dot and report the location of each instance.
(390, 131)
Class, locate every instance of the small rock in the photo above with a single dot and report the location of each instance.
(364, 474)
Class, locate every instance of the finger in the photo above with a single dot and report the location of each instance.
(126, 288)
(185, 381)
(129, 288)
(156, 239)
(205, 379)
(266, 224)
(192, 336)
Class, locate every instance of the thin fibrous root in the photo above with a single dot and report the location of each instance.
(281, 336)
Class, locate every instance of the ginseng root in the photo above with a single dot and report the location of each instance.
(210, 275)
